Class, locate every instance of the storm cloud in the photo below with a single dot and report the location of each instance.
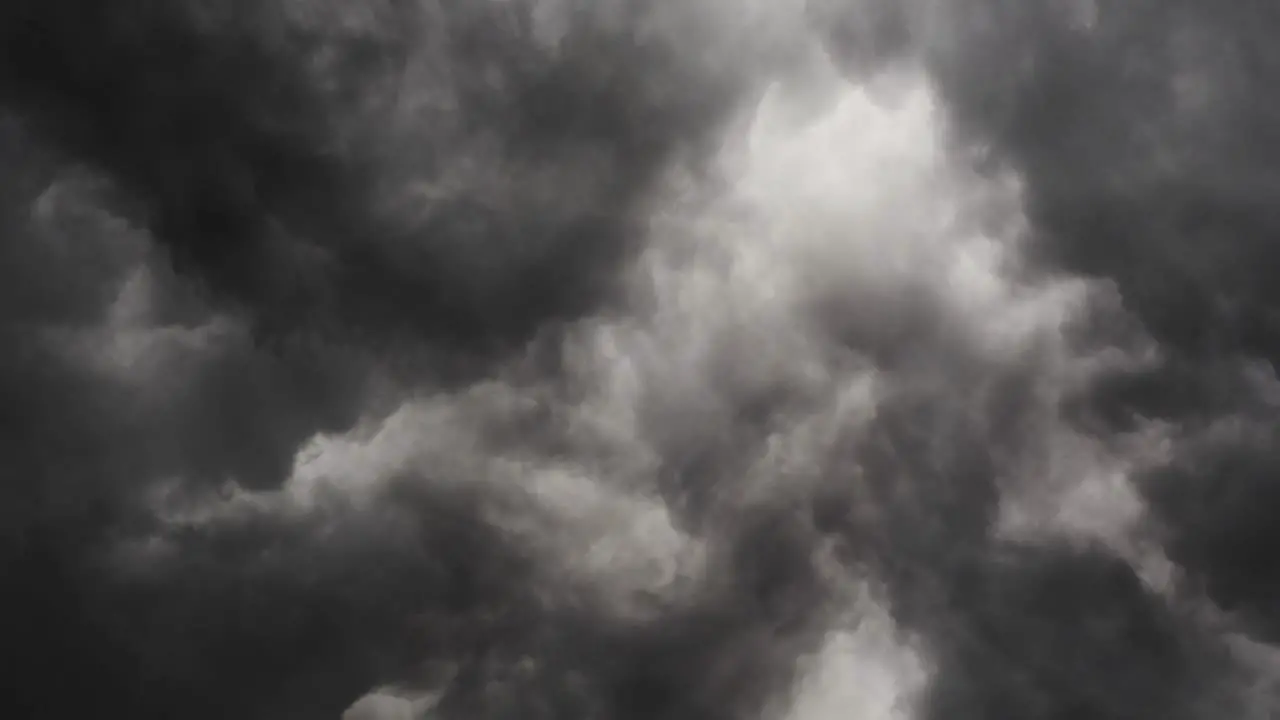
(719, 359)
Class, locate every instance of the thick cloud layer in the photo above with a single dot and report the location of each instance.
(717, 360)
(1142, 132)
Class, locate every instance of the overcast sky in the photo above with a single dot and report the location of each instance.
(623, 360)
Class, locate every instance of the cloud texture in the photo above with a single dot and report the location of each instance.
(709, 360)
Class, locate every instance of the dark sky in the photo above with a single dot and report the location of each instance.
(681, 359)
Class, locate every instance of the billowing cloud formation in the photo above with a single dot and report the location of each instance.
(716, 359)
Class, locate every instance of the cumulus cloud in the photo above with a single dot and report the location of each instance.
(717, 359)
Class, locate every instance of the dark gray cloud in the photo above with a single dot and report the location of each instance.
(555, 359)
(386, 170)
(222, 225)
(1064, 632)
(1142, 133)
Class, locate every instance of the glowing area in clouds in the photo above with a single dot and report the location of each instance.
(855, 196)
